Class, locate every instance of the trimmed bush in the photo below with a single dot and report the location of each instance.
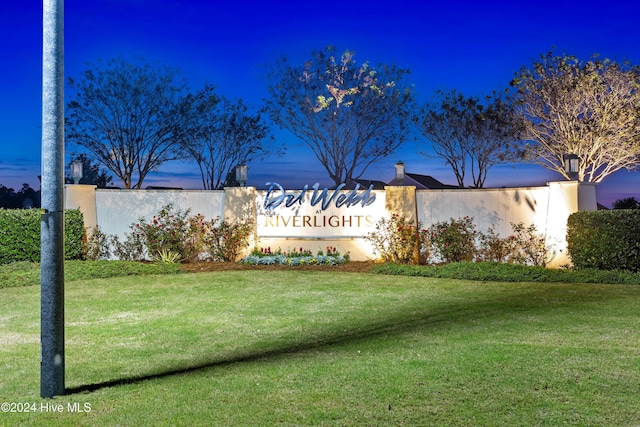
(500, 272)
(20, 235)
(605, 240)
(75, 238)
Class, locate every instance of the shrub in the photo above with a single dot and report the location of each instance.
(75, 236)
(398, 240)
(98, 245)
(225, 240)
(532, 247)
(494, 248)
(606, 240)
(172, 236)
(454, 240)
(171, 231)
(20, 235)
(132, 248)
(491, 271)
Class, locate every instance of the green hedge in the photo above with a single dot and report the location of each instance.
(20, 235)
(502, 272)
(605, 240)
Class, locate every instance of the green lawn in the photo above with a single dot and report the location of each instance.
(256, 348)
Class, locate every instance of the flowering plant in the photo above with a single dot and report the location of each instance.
(398, 240)
(532, 248)
(225, 240)
(498, 249)
(171, 231)
(265, 256)
(454, 240)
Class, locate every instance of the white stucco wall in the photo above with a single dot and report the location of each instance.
(117, 209)
(548, 208)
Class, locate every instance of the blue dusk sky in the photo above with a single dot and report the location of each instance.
(473, 46)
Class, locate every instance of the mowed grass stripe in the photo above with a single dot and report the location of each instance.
(318, 348)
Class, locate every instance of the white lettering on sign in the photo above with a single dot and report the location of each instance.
(323, 197)
(312, 212)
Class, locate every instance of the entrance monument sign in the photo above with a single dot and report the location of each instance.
(311, 213)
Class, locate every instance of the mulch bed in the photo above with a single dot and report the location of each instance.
(348, 267)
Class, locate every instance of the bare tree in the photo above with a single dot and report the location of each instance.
(124, 114)
(349, 115)
(494, 137)
(463, 131)
(222, 134)
(589, 109)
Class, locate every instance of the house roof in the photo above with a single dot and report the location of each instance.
(422, 182)
(366, 183)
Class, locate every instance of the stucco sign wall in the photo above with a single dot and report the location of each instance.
(314, 212)
(341, 218)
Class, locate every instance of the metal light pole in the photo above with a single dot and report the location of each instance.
(52, 186)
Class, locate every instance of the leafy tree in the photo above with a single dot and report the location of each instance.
(465, 131)
(28, 195)
(350, 115)
(626, 203)
(8, 198)
(25, 197)
(92, 174)
(221, 134)
(590, 109)
(124, 114)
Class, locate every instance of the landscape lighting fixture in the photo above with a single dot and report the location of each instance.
(242, 174)
(571, 164)
(76, 171)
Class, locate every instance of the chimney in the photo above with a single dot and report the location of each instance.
(400, 173)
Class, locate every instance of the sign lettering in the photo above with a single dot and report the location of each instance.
(318, 213)
(272, 201)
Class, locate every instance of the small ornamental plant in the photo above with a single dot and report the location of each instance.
(167, 256)
(454, 240)
(397, 240)
(295, 257)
